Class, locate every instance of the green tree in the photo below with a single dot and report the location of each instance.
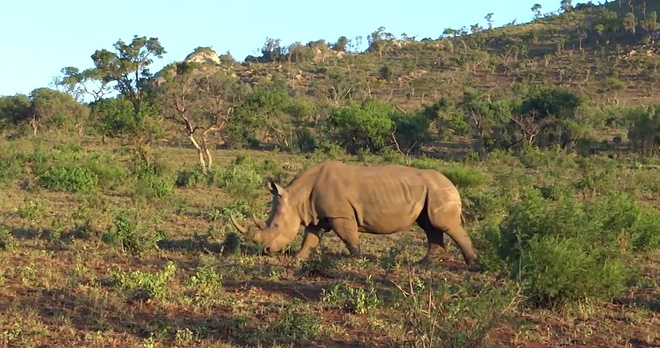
(537, 11)
(567, 5)
(80, 83)
(630, 22)
(550, 114)
(378, 41)
(268, 114)
(114, 117)
(367, 125)
(272, 50)
(650, 24)
(489, 19)
(14, 110)
(452, 32)
(644, 129)
(340, 45)
(128, 67)
(50, 107)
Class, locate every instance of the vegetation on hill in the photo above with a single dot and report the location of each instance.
(120, 183)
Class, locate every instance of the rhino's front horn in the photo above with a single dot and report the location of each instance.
(259, 222)
(238, 227)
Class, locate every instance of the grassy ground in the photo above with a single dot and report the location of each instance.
(188, 280)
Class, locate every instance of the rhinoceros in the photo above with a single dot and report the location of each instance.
(349, 199)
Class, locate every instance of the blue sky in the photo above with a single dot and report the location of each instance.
(40, 37)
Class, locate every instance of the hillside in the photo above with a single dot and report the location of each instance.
(567, 50)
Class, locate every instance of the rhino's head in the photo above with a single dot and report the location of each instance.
(282, 224)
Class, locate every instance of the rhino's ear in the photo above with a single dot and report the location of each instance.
(276, 189)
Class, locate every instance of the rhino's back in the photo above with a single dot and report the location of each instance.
(383, 199)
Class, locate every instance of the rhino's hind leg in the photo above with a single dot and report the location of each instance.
(448, 220)
(436, 241)
(347, 231)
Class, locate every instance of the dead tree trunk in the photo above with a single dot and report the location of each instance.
(200, 151)
(33, 123)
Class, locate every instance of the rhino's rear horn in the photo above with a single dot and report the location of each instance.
(259, 222)
(238, 227)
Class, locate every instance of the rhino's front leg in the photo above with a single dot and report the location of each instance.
(347, 231)
(310, 241)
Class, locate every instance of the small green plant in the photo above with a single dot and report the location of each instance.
(10, 169)
(154, 186)
(33, 210)
(317, 265)
(192, 177)
(356, 300)
(54, 234)
(69, 178)
(126, 234)
(184, 337)
(240, 180)
(6, 239)
(233, 208)
(448, 316)
(142, 285)
(297, 323)
(205, 285)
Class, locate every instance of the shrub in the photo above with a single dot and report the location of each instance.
(10, 169)
(192, 177)
(240, 180)
(110, 175)
(367, 125)
(154, 186)
(564, 250)
(464, 176)
(153, 179)
(205, 285)
(126, 233)
(6, 239)
(233, 208)
(356, 300)
(69, 178)
(451, 316)
(142, 285)
(559, 270)
(297, 323)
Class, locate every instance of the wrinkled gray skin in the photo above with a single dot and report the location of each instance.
(351, 199)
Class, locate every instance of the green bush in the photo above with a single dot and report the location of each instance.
(110, 175)
(240, 180)
(558, 270)
(564, 250)
(355, 300)
(366, 125)
(69, 178)
(10, 170)
(205, 286)
(154, 186)
(153, 178)
(6, 239)
(142, 285)
(192, 177)
(450, 316)
(298, 322)
(126, 234)
(464, 176)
